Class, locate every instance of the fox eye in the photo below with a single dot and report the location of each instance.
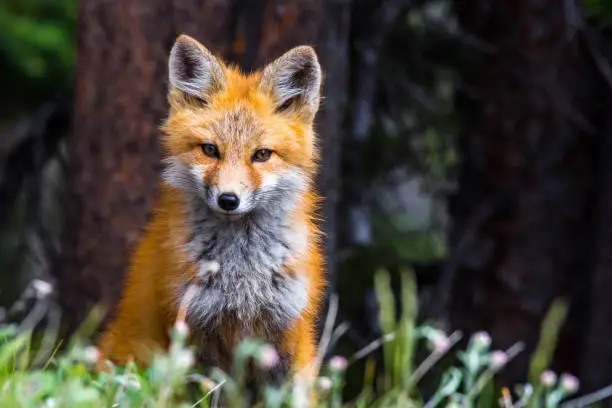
(285, 105)
(210, 150)
(262, 155)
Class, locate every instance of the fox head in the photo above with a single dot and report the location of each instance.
(237, 141)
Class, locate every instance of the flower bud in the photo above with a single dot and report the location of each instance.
(498, 359)
(185, 359)
(338, 363)
(440, 343)
(482, 339)
(548, 378)
(181, 328)
(268, 357)
(569, 383)
(324, 384)
(91, 355)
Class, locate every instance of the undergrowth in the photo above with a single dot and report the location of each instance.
(68, 379)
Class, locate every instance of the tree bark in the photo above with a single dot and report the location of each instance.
(596, 361)
(526, 165)
(114, 158)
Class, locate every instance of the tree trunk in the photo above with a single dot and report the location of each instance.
(114, 159)
(596, 368)
(519, 231)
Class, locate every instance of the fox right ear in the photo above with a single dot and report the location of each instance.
(193, 70)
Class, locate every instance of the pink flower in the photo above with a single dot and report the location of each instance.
(498, 359)
(482, 339)
(268, 357)
(338, 363)
(569, 383)
(548, 378)
(182, 329)
(440, 343)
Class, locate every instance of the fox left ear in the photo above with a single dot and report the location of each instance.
(294, 80)
(193, 70)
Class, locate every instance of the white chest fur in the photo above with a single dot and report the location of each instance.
(252, 281)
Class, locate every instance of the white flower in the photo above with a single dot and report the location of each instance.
(91, 354)
(184, 359)
(324, 384)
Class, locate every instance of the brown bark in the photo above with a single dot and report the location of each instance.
(113, 153)
(114, 157)
(526, 166)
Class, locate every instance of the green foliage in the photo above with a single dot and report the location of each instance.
(37, 51)
(600, 11)
(172, 380)
(548, 339)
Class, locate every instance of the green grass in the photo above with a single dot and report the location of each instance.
(68, 379)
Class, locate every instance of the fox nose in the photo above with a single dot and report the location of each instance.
(228, 201)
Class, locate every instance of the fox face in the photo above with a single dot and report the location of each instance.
(241, 143)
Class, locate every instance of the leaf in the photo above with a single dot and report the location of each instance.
(549, 333)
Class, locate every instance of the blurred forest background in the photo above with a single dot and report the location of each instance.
(468, 139)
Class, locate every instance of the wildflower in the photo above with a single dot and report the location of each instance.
(133, 382)
(42, 288)
(184, 359)
(498, 359)
(181, 328)
(569, 383)
(482, 340)
(440, 343)
(338, 363)
(268, 357)
(324, 384)
(91, 354)
(50, 402)
(548, 378)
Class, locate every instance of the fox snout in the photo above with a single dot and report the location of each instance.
(228, 201)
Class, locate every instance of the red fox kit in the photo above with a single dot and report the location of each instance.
(237, 190)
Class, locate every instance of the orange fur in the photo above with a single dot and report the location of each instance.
(148, 307)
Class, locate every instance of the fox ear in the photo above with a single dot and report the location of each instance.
(193, 70)
(294, 80)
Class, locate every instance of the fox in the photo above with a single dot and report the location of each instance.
(237, 191)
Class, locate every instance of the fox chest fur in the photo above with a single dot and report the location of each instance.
(253, 286)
